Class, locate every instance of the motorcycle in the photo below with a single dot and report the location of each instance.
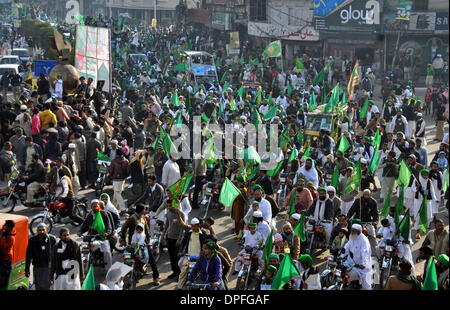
(201, 287)
(55, 211)
(131, 257)
(249, 267)
(283, 190)
(388, 261)
(18, 192)
(191, 261)
(91, 253)
(332, 274)
(315, 235)
(101, 179)
(211, 198)
(156, 245)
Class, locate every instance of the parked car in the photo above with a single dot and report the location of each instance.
(11, 60)
(23, 54)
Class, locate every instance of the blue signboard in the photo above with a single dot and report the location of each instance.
(44, 66)
(441, 21)
(323, 8)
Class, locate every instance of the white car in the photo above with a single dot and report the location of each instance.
(7, 68)
(11, 60)
(23, 54)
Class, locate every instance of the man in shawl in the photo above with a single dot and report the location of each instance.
(308, 172)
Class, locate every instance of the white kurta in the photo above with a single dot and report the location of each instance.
(362, 256)
(418, 201)
(436, 203)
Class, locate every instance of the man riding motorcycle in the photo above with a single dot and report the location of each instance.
(87, 226)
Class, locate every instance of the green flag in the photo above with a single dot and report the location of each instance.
(168, 146)
(306, 155)
(80, 18)
(89, 282)
(179, 187)
(241, 91)
(256, 119)
(300, 229)
(373, 162)
(271, 113)
(335, 179)
(174, 99)
(178, 122)
(224, 76)
(268, 248)
(399, 206)
(343, 145)
(225, 87)
(445, 186)
(294, 154)
(319, 77)
(355, 179)
(102, 157)
(242, 60)
(98, 224)
(218, 62)
(298, 65)
(274, 172)
(312, 102)
(289, 89)
(300, 138)
(431, 280)
(205, 118)
(404, 175)
(387, 204)
(344, 99)
(251, 171)
(180, 67)
(209, 156)
(377, 140)
(259, 96)
(405, 227)
(365, 109)
(284, 138)
(272, 50)
(292, 203)
(251, 156)
(228, 193)
(423, 215)
(285, 273)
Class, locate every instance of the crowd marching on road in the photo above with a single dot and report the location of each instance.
(365, 187)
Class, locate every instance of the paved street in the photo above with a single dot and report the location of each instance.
(223, 223)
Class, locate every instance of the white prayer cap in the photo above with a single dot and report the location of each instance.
(363, 161)
(49, 100)
(72, 146)
(94, 201)
(357, 227)
(287, 224)
(243, 118)
(367, 191)
(23, 107)
(257, 214)
(114, 141)
(331, 189)
(419, 114)
(195, 221)
(295, 216)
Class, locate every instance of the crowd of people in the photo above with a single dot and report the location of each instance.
(54, 137)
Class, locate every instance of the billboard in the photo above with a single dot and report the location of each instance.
(92, 57)
(44, 67)
(350, 15)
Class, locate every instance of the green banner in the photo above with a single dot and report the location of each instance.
(17, 278)
(404, 8)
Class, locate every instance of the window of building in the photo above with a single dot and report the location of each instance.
(420, 5)
(258, 10)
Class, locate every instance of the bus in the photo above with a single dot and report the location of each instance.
(201, 68)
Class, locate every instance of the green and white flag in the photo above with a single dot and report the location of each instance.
(228, 193)
(272, 50)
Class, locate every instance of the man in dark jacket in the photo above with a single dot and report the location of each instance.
(154, 194)
(39, 252)
(16, 81)
(86, 226)
(29, 149)
(92, 145)
(322, 202)
(35, 177)
(4, 83)
(191, 245)
(119, 171)
(43, 87)
(66, 263)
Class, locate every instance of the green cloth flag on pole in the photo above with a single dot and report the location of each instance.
(423, 215)
(399, 206)
(294, 154)
(174, 99)
(285, 273)
(102, 157)
(98, 224)
(284, 138)
(355, 179)
(365, 109)
(431, 280)
(179, 187)
(289, 89)
(251, 156)
(241, 92)
(335, 178)
(404, 175)
(445, 186)
(374, 161)
(180, 67)
(343, 145)
(271, 113)
(312, 102)
(228, 193)
(300, 138)
(387, 204)
(377, 140)
(306, 155)
(405, 227)
(268, 248)
(274, 172)
(300, 229)
(319, 77)
(89, 282)
(168, 146)
(292, 203)
(224, 76)
(256, 119)
(298, 65)
(272, 50)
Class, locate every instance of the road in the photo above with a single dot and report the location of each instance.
(223, 225)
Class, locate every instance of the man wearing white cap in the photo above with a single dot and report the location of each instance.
(438, 65)
(295, 217)
(262, 226)
(24, 120)
(252, 240)
(359, 253)
(191, 245)
(331, 191)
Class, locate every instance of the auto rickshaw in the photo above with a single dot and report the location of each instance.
(17, 279)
